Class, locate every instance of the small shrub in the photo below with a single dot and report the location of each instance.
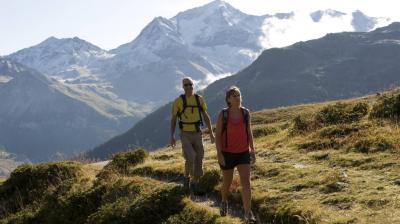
(320, 156)
(111, 212)
(264, 131)
(209, 180)
(376, 144)
(333, 187)
(333, 114)
(359, 111)
(169, 174)
(193, 214)
(163, 157)
(319, 145)
(387, 107)
(262, 171)
(338, 130)
(77, 206)
(23, 216)
(350, 162)
(342, 113)
(29, 183)
(123, 160)
(286, 213)
(158, 206)
(152, 207)
(333, 182)
(375, 203)
(339, 202)
(300, 125)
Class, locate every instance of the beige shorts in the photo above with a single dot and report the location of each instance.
(193, 152)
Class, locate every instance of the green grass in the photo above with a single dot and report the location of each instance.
(331, 162)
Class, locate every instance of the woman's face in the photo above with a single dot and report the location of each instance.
(235, 98)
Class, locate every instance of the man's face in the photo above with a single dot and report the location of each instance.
(187, 86)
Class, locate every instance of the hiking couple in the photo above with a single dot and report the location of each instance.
(234, 141)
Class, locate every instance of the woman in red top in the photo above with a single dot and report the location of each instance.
(235, 148)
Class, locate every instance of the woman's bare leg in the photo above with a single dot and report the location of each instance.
(244, 173)
(227, 176)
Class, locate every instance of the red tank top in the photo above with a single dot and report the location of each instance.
(237, 135)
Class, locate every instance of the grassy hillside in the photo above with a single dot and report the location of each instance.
(336, 66)
(333, 162)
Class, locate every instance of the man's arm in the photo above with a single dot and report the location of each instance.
(173, 126)
(208, 123)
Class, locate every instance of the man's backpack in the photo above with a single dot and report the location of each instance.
(179, 114)
(225, 117)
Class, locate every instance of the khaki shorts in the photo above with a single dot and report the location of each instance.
(193, 152)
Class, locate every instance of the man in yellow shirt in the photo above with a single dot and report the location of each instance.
(190, 108)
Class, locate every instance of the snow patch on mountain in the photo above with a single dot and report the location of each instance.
(5, 78)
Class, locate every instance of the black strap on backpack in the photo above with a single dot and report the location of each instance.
(198, 123)
(225, 118)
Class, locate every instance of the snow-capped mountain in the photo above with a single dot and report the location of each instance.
(207, 43)
(222, 34)
(152, 65)
(60, 57)
(41, 116)
(74, 63)
(213, 41)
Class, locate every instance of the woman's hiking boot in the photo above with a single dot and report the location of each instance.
(223, 208)
(186, 183)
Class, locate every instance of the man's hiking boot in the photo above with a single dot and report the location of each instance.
(223, 208)
(249, 218)
(194, 188)
(186, 183)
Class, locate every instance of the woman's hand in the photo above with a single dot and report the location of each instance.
(252, 157)
(221, 159)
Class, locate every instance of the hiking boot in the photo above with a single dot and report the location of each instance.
(186, 183)
(223, 208)
(194, 188)
(249, 218)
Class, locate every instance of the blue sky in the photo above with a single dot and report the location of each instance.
(110, 23)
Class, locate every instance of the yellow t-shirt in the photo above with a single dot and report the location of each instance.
(191, 114)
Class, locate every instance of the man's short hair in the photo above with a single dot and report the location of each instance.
(187, 78)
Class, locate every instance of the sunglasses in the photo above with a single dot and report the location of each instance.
(188, 84)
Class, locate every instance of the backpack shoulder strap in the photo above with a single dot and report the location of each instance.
(225, 117)
(246, 121)
(245, 113)
(184, 104)
(198, 104)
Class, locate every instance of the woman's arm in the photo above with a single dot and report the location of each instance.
(251, 141)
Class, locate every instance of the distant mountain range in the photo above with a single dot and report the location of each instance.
(41, 117)
(123, 85)
(336, 66)
(207, 43)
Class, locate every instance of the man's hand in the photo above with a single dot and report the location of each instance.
(212, 138)
(173, 142)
